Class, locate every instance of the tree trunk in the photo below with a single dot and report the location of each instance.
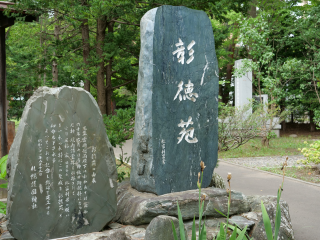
(265, 142)
(220, 92)
(54, 62)
(113, 107)
(109, 90)
(40, 66)
(3, 94)
(312, 124)
(283, 123)
(253, 11)
(85, 48)
(225, 93)
(101, 91)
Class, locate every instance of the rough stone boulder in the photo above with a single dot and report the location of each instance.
(270, 202)
(138, 208)
(161, 228)
(217, 181)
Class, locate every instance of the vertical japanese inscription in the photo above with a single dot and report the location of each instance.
(85, 165)
(62, 169)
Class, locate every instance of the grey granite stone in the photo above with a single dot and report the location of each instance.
(138, 208)
(242, 222)
(217, 181)
(3, 226)
(161, 228)
(176, 115)
(212, 227)
(270, 203)
(6, 236)
(117, 234)
(61, 167)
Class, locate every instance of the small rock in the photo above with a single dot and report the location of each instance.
(6, 236)
(250, 216)
(161, 228)
(217, 181)
(2, 217)
(293, 135)
(117, 234)
(3, 226)
(242, 222)
(134, 233)
(212, 227)
(115, 225)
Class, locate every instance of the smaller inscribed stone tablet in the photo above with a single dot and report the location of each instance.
(61, 167)
(176, 124)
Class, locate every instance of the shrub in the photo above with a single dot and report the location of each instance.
(311, 153)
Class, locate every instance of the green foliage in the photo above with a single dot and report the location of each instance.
(271, 135)
(3, 167)
(316, 118)
(124, 98)
(119, 128)
(311, 153)
(3, 173)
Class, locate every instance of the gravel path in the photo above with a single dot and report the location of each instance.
(271, 161)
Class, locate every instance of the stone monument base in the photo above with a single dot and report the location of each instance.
(148, 216)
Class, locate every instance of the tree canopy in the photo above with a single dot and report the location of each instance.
(95, 44)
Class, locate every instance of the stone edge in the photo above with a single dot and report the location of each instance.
(144, 128)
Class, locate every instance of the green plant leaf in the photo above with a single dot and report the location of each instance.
(4, 185)
(237, 229)
(278, 216)
(241, 235)
(277, 222)
(181, 225)
(174, 231)
(221, 234)
(266, 221)
(203, 234)
(234, 234)
(3, 167)
(220, 212)
(194, 229)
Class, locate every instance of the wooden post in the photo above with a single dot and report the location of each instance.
(3, 93)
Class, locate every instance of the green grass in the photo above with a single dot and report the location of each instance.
(300, 172)
(283, 146)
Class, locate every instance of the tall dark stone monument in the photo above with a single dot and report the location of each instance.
(61, 167)
(176, 123)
